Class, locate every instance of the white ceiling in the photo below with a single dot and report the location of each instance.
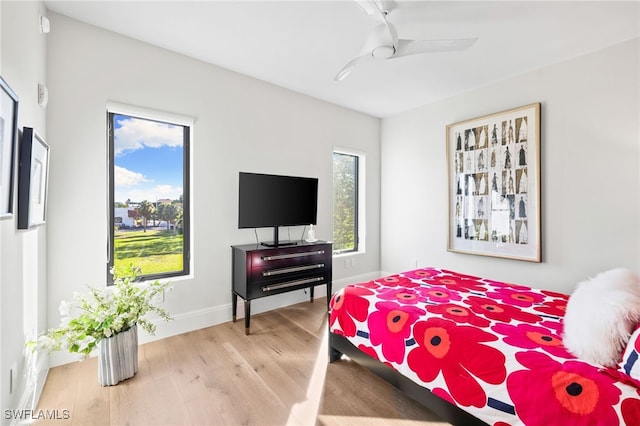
(301, 45)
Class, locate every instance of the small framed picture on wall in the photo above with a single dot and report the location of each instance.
(33, 180)
(8, 141)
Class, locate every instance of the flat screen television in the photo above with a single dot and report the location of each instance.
(273, 201)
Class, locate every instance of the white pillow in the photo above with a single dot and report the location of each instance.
(601, 315)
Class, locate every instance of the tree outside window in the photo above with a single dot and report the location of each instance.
(345, 202)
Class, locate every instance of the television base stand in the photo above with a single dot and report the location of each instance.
(279, 243)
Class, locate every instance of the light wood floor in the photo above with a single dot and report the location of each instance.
(278, 375)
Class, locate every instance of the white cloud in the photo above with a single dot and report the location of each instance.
(136, 133)
(151, 194)
(167, 191)
(125, 177)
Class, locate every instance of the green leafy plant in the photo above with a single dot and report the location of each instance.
(102, 313)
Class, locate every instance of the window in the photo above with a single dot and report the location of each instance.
(346, 201)
(148, 194)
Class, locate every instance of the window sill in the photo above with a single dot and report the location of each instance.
(347, 254)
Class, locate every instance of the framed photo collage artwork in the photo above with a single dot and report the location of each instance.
(494, 184)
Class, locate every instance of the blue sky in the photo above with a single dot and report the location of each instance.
(148, 159)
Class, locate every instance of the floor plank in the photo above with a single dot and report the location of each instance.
(278, 375)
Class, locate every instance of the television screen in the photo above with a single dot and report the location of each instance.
(273, 200)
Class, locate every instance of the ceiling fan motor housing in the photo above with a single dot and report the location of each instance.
(382, 41)
(383, 52)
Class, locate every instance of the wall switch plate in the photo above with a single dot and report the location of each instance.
(45, 26)
(158, 298)
(43, 95)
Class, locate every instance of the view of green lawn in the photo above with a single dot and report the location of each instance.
(153, 251)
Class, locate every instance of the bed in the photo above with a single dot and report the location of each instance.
(478, 351)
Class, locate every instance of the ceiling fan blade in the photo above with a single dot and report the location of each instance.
(412, 47)
(346, 70)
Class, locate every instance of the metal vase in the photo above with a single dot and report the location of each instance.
(118, 357)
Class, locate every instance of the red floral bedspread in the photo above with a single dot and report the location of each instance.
(491, 348)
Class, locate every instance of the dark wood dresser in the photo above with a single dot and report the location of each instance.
(260, 271)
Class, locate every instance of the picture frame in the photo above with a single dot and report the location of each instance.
(32, 180)
(8, 143)
(493, 165)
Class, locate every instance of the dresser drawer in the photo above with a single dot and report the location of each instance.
(287, 270)
(284, 284)
(268, 261)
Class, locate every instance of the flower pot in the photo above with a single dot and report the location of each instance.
(118, 357)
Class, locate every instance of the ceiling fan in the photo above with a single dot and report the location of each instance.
(383, 41)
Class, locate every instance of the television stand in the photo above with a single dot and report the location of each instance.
(276, 240)
(279, 243)
(259, 271)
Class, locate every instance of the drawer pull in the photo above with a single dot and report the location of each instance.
(292, 255)
(291, 283)
(292, 269)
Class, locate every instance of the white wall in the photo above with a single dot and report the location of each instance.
(241, 124)
(23, 256)
(590, 149)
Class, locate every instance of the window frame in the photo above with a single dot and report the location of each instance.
(359, 213)
(187, 161)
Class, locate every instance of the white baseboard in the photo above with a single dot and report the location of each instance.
(195, 320)
(207, 317)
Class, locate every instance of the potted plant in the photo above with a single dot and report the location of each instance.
(107, 319)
